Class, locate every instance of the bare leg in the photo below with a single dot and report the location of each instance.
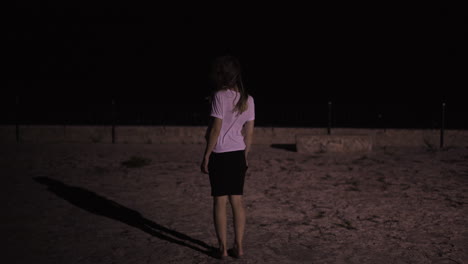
(220, 221)
(238, 212)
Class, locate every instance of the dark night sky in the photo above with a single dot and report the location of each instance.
(160, 54)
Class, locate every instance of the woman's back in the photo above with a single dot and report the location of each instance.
(230, 137)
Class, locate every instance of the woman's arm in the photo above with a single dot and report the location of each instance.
(248, 137)
(212, 135)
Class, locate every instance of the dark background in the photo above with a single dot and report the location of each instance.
(379, 65)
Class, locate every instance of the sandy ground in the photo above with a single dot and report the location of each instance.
(82, 203)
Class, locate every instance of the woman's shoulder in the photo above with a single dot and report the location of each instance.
(222, 92)
(216, 95)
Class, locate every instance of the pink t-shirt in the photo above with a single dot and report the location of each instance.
(231, 138)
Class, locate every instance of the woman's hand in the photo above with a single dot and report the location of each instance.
(246, 160)
(204, 165)
(213, 133)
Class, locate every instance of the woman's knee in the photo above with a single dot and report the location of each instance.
(220, 200)
(236, 200)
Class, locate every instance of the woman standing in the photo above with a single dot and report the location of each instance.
(225, 157)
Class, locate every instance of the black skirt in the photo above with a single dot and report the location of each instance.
(227, 173)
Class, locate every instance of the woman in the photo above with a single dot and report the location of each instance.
(225, 157)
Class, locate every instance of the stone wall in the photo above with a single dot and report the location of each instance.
(333, 143)
(195, 135)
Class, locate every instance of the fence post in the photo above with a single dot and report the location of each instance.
(381, 122)
(17, 117)
(329, 117)
(113, 121)
(442, 126)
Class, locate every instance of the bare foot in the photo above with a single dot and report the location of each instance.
(221, 253)
(236, 252)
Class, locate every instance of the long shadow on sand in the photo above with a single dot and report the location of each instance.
(99, 205)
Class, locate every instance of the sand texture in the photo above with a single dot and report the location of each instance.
(149, 203)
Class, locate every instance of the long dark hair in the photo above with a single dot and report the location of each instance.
(226, 72)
